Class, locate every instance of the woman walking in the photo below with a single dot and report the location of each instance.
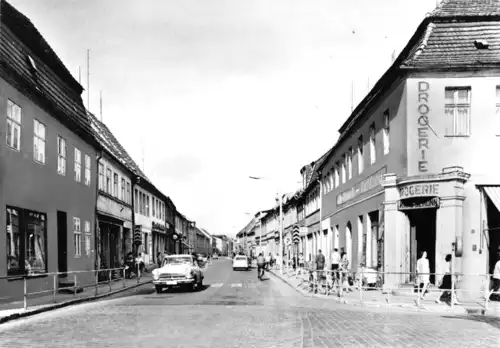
(446, 283)
(423, 273)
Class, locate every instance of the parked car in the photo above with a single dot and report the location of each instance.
(178, 270)
(241, 262)
(215, 256)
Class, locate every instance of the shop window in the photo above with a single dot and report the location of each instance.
(78, 165)
(457, 111)
(373, 147)
(77, 237)
(386, 132)
(39, 142)
(26, 242)
(13, 138)
(361, 159)
(87, 238)
(61, 156)
(87, 170)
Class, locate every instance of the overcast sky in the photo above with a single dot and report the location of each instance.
(212, 91)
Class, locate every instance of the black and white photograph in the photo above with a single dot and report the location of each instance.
(249, 173)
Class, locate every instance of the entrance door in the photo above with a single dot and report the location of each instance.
(62, 243)
(423, 238)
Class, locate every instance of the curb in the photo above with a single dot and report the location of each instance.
(29, 313)
(376, 304)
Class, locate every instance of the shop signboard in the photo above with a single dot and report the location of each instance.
(371, 182)
(414, 204)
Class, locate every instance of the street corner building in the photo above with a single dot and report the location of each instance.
(47, 162)
(413, 169)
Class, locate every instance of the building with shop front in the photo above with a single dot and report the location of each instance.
(170, 213)
(47, 163)
(181, 229)
(116, 171)
(150, 230)
(407, 174)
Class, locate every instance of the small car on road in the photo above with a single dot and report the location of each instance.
(241, 262)
(215, 256)
(178, 270)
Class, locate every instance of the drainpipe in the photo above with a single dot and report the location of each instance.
(96, 228)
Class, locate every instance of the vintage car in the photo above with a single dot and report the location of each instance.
(241, 262)
(178, 270)
(215, 256)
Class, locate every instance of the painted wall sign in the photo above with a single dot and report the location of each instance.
(419, 190)
(423, 125)
(368, 184)
(409, 204)
(157, 227)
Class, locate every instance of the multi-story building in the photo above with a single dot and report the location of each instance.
(170, 213)
(406, 174)
(47, 160)
(191, 240)
(116, 171)
(149, 220)
(181, 229)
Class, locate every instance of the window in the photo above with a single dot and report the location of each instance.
(61, 156)
(147, 205)
(123, 197)
(342, 169)
(330, 179)
(457, 110)
(87, 170)
(128, 193)
(349, 163)
(386, 132)
(78, 165)
(108, 181)
(115, 185)
(39, 142)
(361, 159)
(77, 237)
(497, 115)
(155, 206)
(337, 179)
(26, 242)
(101, 176)
(136, 201)
(373, 149)
(87, 238)
(13, 126)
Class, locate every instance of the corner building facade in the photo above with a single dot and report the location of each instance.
(413, 168)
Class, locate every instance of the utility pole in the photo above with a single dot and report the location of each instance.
(88, 79)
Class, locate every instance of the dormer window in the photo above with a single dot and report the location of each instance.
(481, 44)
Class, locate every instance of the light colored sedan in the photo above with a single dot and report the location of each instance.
(240, 262)
(178, 270)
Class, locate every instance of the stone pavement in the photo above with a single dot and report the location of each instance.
(237, 310)
(39, 303)
(401, 300)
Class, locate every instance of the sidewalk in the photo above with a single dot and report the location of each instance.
(375, 298)
(42, 303)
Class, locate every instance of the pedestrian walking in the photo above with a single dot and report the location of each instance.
(335, 263)
(423, 274)
(446, 284)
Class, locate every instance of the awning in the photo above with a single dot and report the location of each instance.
(494, 193)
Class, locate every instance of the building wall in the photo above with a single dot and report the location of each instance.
(27, 184)
(474, 152)
(346, 205)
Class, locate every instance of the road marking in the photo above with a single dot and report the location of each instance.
(236, 285)
(216, 285)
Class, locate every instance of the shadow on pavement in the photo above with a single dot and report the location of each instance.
(181, 289)
(492, 321)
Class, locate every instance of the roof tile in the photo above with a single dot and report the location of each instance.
(454, 8)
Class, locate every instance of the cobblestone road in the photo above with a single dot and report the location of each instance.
(238, 310)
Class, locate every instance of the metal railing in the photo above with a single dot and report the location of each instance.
(111, 275)
(370, 281)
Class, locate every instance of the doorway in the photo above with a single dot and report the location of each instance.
(62, 243)
(493, 241)
(348, 242)
(422, 238)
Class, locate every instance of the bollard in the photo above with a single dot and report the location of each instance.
(138, 273)
(124, 280)
(109, 280)
(74, 286)
(25, 293)
(55, 288)
(96, 282)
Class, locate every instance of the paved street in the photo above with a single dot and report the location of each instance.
(237, 310)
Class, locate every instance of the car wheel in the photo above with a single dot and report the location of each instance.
(158, 289)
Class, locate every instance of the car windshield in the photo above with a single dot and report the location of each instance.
(177, 260)
(241, 257)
